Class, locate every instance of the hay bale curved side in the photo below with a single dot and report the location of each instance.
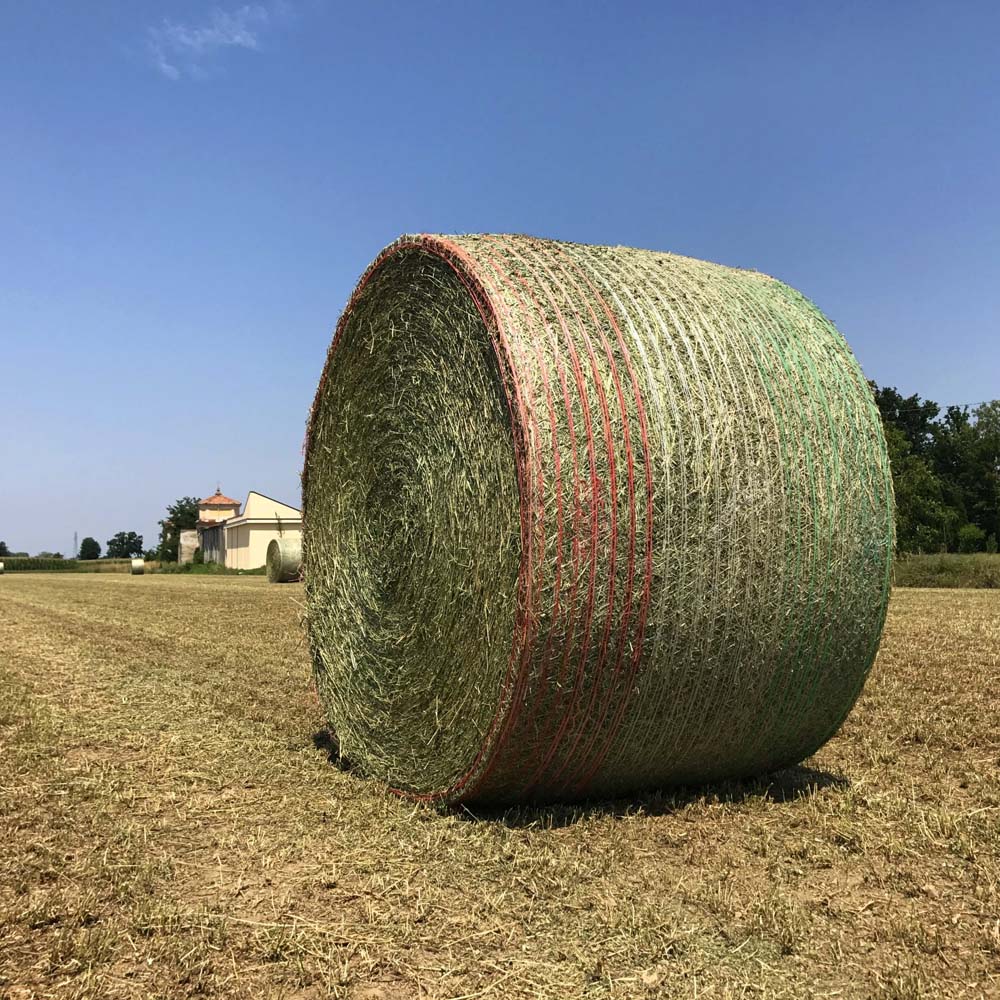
(284, 560)
(1, 569)
(585, 520)
(137, 567)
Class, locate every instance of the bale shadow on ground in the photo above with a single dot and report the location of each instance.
(786, 785)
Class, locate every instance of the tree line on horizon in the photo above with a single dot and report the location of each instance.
(945, 472)
(124, 545)
(181, 514)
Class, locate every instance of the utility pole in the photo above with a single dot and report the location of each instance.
(76, 547)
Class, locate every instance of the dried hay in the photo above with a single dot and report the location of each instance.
(137, 567)
(284, 560)
(585, 520)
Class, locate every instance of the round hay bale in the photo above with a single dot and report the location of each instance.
(137, 567)
(284, 560)
(581, 521)
(1, 569)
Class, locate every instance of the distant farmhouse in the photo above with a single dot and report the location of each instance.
(239, 541)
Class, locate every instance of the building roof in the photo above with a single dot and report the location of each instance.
(217, 499)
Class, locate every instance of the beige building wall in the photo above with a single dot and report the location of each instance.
(241, 540)
(246, 544)
(216, 513)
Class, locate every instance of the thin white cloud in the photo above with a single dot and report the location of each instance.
(183, 50)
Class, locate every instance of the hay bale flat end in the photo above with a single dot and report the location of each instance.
(284, 560)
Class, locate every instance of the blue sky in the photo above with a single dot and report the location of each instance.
(189, 191)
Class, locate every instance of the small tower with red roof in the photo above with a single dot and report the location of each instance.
(217, 507)
(212, 511)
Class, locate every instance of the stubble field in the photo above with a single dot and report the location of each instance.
(171, 825)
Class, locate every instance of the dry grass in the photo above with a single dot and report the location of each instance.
(169, 828)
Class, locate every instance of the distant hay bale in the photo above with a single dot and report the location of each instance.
(581, 521)
(137, 567)
(1, 569)
(284, 560)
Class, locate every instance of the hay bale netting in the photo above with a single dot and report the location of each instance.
(284, 560)
(585, 520)
(137, 567)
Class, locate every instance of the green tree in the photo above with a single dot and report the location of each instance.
(90, 548)
(966, 458)
(987, 417)
(924, 522)
(915, 417)
(124, 545)
(945, 469)
(4, 551)
(971, 538)
(181, 515)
